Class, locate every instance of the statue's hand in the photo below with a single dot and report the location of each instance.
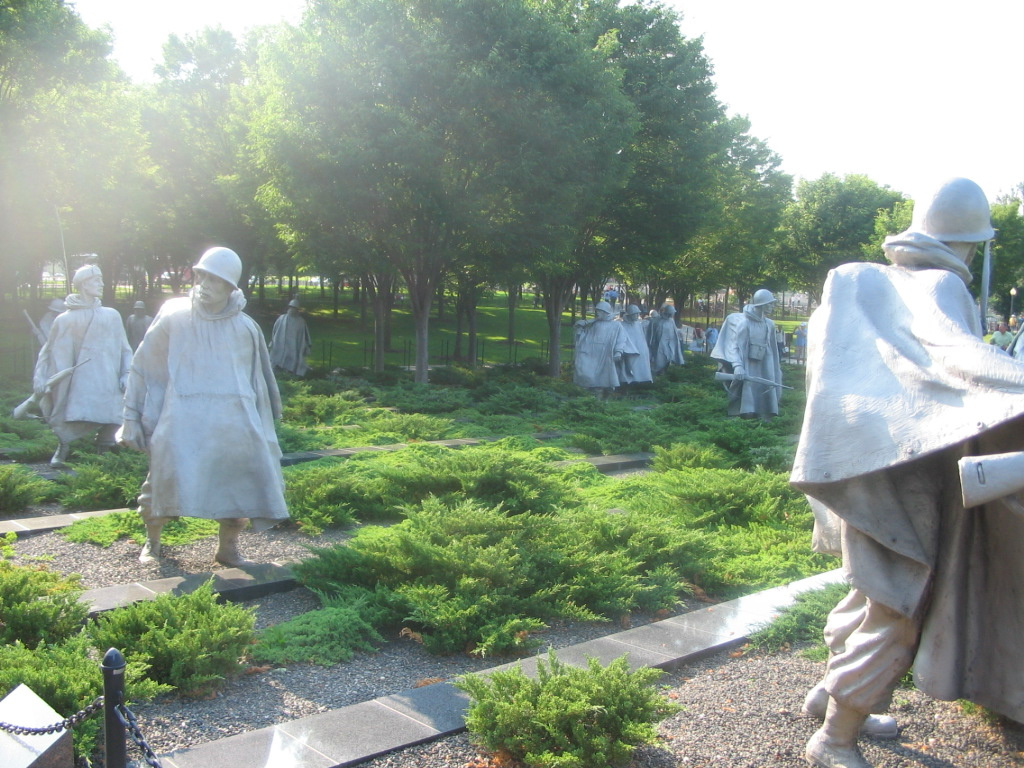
(739, 372)
(123, 382)
(131, 435)
(617, 356)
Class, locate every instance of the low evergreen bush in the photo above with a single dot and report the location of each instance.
(802, 622)
(106, 481)
(326, 636)
(20, 488)
(38, 606)
(107, 529)
(568, 717)
(67, 676)
(190, 641)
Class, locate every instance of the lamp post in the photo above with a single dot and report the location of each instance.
(1013, 295)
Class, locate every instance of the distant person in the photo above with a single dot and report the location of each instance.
(800, 342)
(1002, 336)
(81, 371)
(710, 338)
(290, 342)
(201, 401)
(136, 324)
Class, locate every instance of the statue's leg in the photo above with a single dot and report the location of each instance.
(876, 726)
(154, 525)
(227, 549)
(60, 456)
(834, 745)
(105, 440)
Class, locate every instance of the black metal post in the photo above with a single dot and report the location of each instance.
(113, 697)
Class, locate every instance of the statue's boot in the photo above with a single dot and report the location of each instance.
(834, 745)
(227, 549)
(876, 726)
(151, 549)
(60, 456)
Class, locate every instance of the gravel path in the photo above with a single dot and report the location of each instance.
(742, 711)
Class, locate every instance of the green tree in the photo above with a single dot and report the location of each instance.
(751, 195)
(1007, 256)
(424, 129)
(49, 59)
(828, 224)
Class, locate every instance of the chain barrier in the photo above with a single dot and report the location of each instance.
(127, 718)
(63, 725)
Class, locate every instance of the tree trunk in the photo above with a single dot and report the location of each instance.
(513, 301)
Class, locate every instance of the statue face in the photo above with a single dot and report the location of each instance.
(768, 309)
(213, 292)
(92, 286)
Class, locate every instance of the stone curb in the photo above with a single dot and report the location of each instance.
(354, 734)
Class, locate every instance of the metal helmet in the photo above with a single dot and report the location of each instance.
(633, 309)
(222, 262)
(956, 212)
(294, 303)
(668, 309)
(761, 297)
(139, 305)
(603, 306)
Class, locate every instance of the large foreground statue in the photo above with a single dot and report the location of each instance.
(290, 341)
(81, 370)
(747, 352)
(900, 385)
(202, 400)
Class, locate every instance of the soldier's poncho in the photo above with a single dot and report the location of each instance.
(635, 368)
(290, 343)
(91, 336)
(899, 376)
(203, 389)
(749, 340)
(597, 343)
(665, 347)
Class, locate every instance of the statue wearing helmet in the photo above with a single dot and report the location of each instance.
(290, 341)
(900, 387)
(601, 344)
(201, 400)
(747, 346)
(635, 369)
(136, 324)
(663, 339)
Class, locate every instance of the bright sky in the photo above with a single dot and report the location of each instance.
(908, 92)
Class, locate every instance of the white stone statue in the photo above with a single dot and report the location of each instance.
(900, 386)
(136, 324)
(81, 370)
(290, 341)
(55, 307)
(663, 339)
(635, 369)
(600, 344)
(201, 400)
(748, 354)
